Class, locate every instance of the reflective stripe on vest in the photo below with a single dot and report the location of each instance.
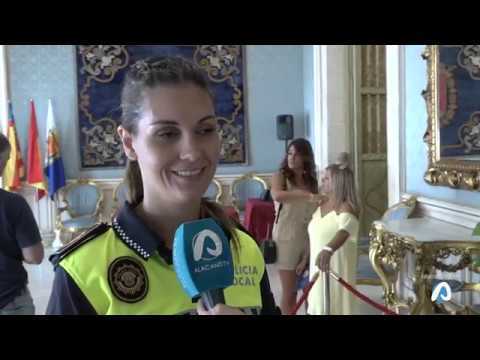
(89, 265)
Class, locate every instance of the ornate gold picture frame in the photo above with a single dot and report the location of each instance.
(450, 86)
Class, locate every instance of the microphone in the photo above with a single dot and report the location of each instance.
(203, 260)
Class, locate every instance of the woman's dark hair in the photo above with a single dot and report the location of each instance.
(4, 144)
(304, 149)
(148, 74)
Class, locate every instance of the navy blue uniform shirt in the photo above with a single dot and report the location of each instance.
(18, 229)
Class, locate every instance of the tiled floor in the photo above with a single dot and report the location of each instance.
(41, 277)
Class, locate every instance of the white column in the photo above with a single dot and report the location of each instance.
(3, 95)
(319, 121)
(395, 58)
(3, 89)
(333, 81)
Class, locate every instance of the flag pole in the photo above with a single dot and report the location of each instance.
(38, 210)
(55, 209)
(55, 172)
(58, 234)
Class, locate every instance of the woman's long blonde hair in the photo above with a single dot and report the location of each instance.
(343, 184)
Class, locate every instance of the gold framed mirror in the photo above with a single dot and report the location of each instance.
(453, 132)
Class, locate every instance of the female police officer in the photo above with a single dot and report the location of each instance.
(169, 134)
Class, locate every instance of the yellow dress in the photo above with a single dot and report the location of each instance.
(321, 231)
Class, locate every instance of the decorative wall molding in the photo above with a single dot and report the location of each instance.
(446, 211)
(320, 109)
(396, 122)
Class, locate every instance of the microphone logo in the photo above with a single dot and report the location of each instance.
(441, 293)
(199, 243)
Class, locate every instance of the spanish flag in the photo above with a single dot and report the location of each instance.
(35, 176)
(14, 170)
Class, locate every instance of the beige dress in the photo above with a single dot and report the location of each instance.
(322, 230)
(290, 231)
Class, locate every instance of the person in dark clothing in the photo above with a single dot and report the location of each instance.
(20, 242)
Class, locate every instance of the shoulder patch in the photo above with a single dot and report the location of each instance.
(128, 279)
(77, 242)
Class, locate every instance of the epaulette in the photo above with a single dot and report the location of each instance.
(77, 242)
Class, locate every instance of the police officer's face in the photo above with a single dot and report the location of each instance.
(177, 144)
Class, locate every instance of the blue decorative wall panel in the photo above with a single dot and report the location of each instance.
(459, 109)
(100, 73)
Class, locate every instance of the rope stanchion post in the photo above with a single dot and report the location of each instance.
(306, 291)
(326, 293)
(361, 296)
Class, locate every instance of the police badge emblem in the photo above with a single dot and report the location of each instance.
(128, 279)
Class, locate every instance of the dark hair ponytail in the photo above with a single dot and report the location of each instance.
(4, 144)
(133, 180)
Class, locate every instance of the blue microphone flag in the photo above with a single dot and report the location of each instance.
(202, 257)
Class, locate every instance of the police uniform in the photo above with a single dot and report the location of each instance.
(125, 269)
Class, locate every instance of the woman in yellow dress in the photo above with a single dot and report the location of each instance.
(333, 233)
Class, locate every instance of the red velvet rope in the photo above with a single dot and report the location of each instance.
(306, 291)
(350, 288)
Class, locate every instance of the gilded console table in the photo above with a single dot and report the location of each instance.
(431, 242)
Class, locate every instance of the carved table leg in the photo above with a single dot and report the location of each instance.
(377, 253)
(423, 272)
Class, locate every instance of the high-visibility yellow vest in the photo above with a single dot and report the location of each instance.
(116, 281)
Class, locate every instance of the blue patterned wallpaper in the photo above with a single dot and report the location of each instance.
(274, 86)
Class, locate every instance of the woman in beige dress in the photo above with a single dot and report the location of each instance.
(294, 189)
(333, 235)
